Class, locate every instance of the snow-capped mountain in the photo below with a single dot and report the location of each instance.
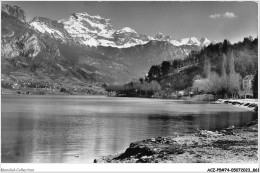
(89, 30)
(128, 37)
(182, 42)
(96, 31)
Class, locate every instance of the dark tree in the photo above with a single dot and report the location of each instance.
(255, 86)
(248, 42)
(226, 46)
(165, 67)
(255, 41)
(141, 80)
(175, 64)
(63, 90)
(154, 73)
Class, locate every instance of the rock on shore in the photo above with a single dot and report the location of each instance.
(231, 145)
(249, 104)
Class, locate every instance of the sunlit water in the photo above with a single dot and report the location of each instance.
(78, 129)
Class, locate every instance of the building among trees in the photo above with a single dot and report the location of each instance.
(247, 86)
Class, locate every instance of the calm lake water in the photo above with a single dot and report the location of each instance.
(78, 129)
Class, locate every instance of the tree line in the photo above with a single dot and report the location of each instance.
(139, 88)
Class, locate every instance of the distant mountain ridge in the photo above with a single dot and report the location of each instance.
(202, 42)
(83, 48)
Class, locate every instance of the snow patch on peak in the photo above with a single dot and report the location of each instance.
(189, 41)
(85, 14)
(43, 28)
(184, 41)
(175, 42)
(194, 41)
(127, 29)
(151, 38)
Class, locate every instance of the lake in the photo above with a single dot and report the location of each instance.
(78, 129)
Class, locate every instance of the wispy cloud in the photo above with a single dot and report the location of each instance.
(214, 16)
(228, 15)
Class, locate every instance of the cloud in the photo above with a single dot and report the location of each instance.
(214, 16)
(228, 15)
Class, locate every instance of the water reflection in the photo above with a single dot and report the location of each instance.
(51, 129)
(225, 119)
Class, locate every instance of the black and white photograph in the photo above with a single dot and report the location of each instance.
(103, 83)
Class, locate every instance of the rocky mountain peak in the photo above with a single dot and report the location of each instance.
(159, 36)
(193, 41)
(86, 15)
(14, 11)
(162, 37)
(47, 26)
(94, 20)
(205, 41)
(83, 23)
(41, 19)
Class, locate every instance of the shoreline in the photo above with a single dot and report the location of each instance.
(229, 145)
(249, 104)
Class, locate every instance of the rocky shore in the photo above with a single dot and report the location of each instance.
(249, 104)
(230, 145)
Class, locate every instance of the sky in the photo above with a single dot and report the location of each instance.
(214, 20)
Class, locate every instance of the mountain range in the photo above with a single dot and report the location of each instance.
(82, 49)
(93, 31)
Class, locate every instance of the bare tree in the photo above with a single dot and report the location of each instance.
(233, 78)
(207, 67)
